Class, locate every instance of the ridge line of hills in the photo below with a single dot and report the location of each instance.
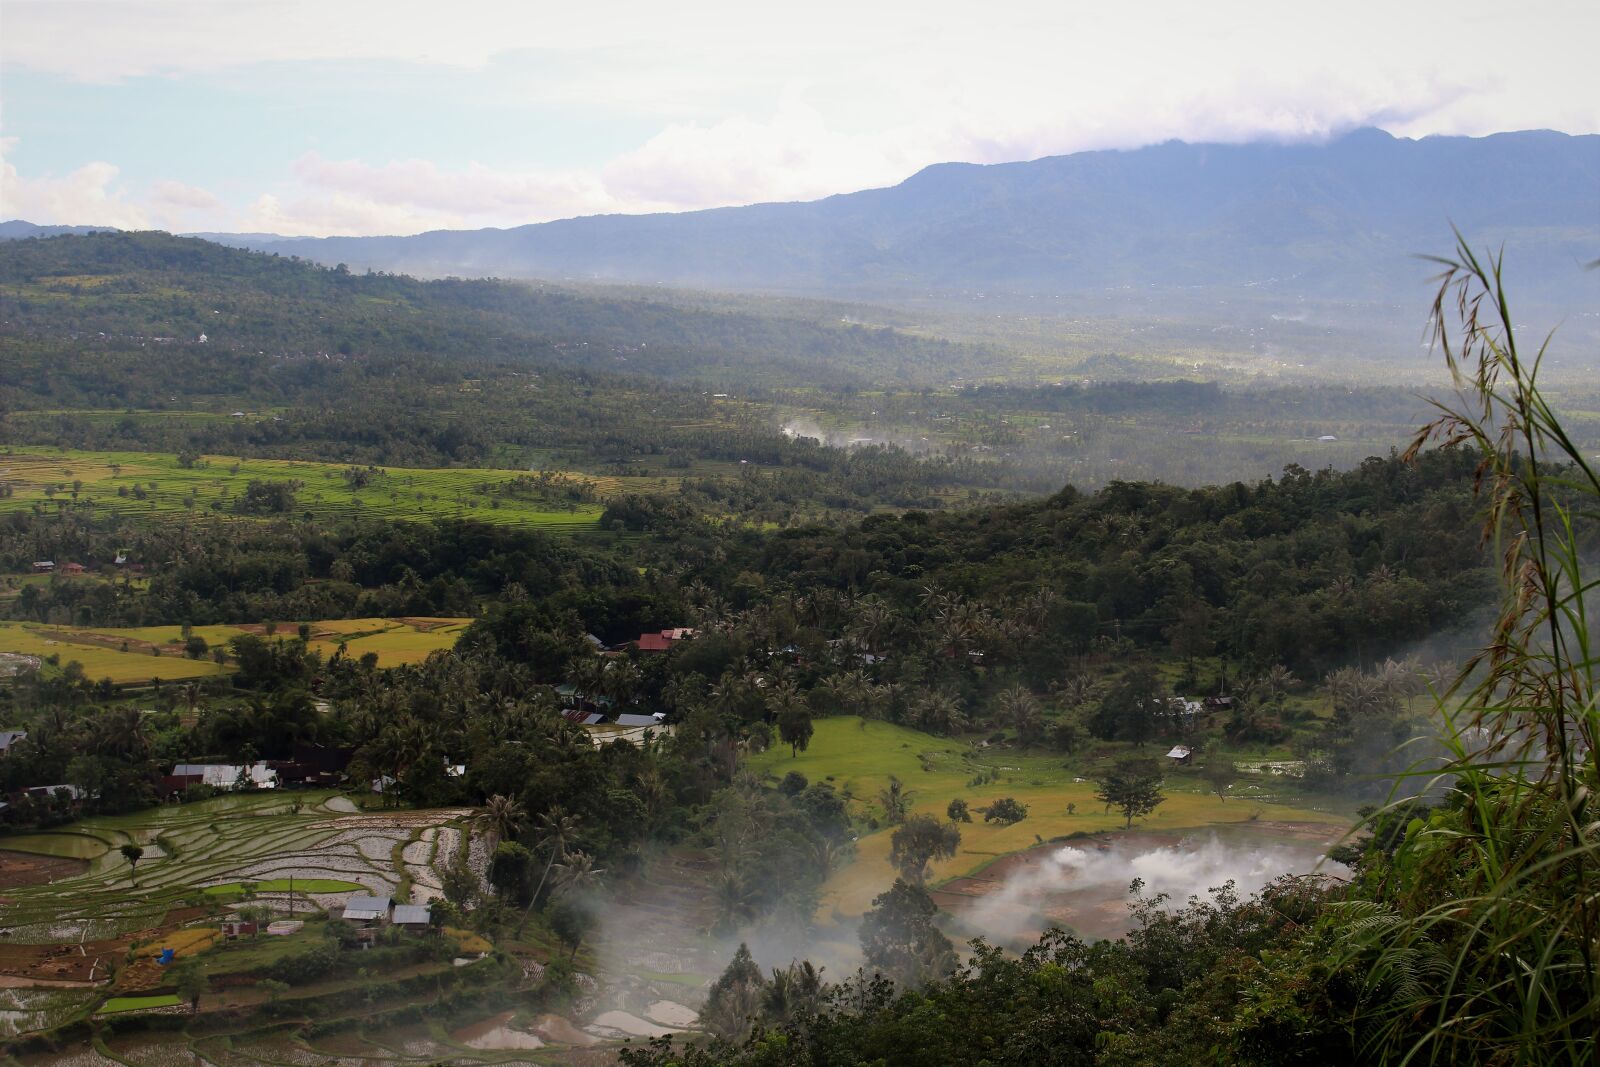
(1341, 220)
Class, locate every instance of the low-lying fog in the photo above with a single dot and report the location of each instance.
(1084, 887)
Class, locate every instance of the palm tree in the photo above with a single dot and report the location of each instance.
(121, 733)
(577, 874)
(827, 854)
(1273, 683)
(505, 815)
(1014, 705)
(557, 832)
(1036, 608)
(939, 713)
(896, 800)
(794, 991)
(785, 697)
(621, 680)
(732, 900)
(873, 622)
(1075, 691)
(587, 676)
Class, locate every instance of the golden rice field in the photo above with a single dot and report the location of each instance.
(139, 654)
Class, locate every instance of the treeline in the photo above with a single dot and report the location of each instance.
(1310, 570)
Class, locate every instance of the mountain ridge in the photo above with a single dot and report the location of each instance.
(1342, 219)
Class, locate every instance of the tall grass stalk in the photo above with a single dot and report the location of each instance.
(1480, 944)
(1480, 941)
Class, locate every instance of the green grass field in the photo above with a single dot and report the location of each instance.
(138, 654)
(121, 1004)
(857, 758)
(150, 484)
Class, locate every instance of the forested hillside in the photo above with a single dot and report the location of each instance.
(139, 287)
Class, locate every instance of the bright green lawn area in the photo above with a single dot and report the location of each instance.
(282, 885)
(116, 1004)
(857, 758)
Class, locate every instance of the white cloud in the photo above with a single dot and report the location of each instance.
(326, 216)
(766, 102)
(87, 196)
(93, 195)
(794, 155)
(178, 196)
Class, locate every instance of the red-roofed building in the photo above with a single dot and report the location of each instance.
(663, 640)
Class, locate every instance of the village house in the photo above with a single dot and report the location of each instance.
(235, 927)
(72, 568)
(60, 791)
(9, 738)
(662, 640)
(413, 917)
(1181, 755)
(634, 729)
(313, 765)
(368, 910)
(226, 776)
(43, 566)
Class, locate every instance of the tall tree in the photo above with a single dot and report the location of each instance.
(900, 940)
(1133, 787)
(795, 729)
(133, 854)
(1220, 773)
(734, 1000)
(917, 842)
(557, 832)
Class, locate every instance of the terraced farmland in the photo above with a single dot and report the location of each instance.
(138, 654)
(256, 843)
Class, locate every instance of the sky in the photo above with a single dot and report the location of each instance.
(317, 117)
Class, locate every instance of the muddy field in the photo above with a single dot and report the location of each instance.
(22, 868)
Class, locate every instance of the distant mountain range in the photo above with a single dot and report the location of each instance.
(16, 229)
(1339, 220)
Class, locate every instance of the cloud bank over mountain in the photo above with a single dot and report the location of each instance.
(382, 118)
